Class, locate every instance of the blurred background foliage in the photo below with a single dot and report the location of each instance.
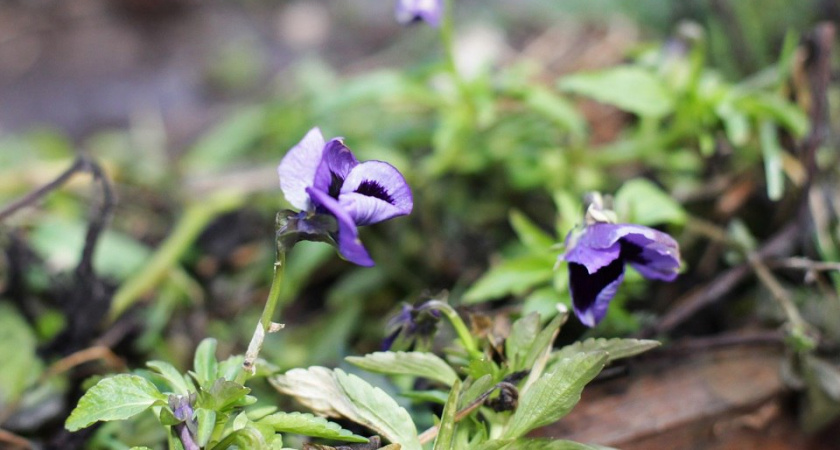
(687, 111)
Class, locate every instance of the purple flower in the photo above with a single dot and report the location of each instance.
(413, 327)
(410, 11)
(325, 178)
(596, 263)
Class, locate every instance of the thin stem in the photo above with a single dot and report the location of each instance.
(265, 325)
(78, 165)
(428, 435)
(459, 326)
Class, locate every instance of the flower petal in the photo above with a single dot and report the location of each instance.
(336, 164)
(408, 11)
(375, 191)
(349, 245)
(591, 293)
(297, 169)
(657, 259)
(593, 258)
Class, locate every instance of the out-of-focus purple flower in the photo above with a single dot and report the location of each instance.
(325, 178)
(410, 11)
(413, 326)
(596, 263)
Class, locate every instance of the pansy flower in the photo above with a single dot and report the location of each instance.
(597, 257)
(325, 178)
(410, 11)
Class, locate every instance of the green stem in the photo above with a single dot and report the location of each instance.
(459, 326)
(189, 226)
(265, 324)
(447, 38)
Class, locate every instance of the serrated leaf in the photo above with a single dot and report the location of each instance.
(616, 348)
(115, 398)
(224, 394)
(206, 419)
(309, 425)
(443, 441)
(378, 411)
(171, 375)
(513, 276)
(529, 233)
(522, 335)
(630, 88)
(315, 388)
(554, 394)
(538, 353)
(420, 364)
(641, 202)
(204, 362)
(475, 389)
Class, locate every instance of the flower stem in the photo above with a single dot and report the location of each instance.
(459, 326)
(265, 324)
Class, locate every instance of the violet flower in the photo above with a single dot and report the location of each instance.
(412, 327)
(596, 263)
(410, 11)
(324, 178)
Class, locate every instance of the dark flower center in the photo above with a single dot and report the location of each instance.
(586, 287)
(632, 252)
(374, 189)
(335, 184)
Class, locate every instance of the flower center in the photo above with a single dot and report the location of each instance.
(335, 184)
(374, 189)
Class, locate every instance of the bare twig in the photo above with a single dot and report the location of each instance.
(781, 243)
(805, 264)
(78, 165)
(12, 441)
(98, 220)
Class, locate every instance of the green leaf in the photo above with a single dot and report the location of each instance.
(206, 419)
(420, 364)
(554, 394)
(228, 141)
(204, 362)
(20, 366)
(556, 108)
(59, 241)
(317, 389)
(529, 233)
(772, 106)
(475, 389)
(115, 398)
(630, 88)
(616, 348)
(522, 335)
(309, 425)
(513, 276)
(443, 441)
(642, 202)
(171, 375)
(224, 395)
(543, 341)
(378, 411)
(771, 150)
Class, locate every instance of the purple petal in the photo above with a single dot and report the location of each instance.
(349, 245)
(591, 293)
(297, 169)
(408, 11)
(375, 191)
(653, 253)
(335, 165)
